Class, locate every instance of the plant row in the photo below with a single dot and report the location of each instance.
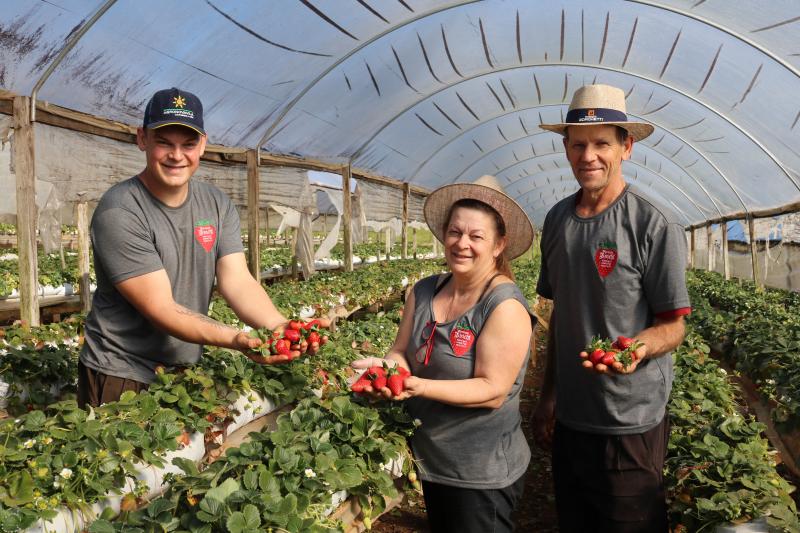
(757, 332)
(719, 467)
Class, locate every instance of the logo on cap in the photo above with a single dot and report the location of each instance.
(179, 101)
(590, 112)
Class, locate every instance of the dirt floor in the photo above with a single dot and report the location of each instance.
(536, 512)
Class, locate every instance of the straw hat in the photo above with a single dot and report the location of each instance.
(594, 105)
(488, 190)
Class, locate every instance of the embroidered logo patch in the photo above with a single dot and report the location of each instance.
(462, 338)
(606, 258)
(205, 233)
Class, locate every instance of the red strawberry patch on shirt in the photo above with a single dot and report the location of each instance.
(462, 338)
(205, 233)
(606, 258)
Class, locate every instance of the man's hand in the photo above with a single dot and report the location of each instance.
(616, 366)
(247, 345)
(544, 421)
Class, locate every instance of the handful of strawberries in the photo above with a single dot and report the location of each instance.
(379, 377)
(605, 352)
(298, 338)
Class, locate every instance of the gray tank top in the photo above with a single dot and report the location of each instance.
(478, 448)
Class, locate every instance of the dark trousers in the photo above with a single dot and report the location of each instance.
(610, 483)
(460, 510)
(95, 388)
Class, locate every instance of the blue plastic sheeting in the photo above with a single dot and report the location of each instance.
(431, 92)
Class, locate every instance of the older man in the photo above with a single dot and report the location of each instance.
(613, 262)
(160, 240)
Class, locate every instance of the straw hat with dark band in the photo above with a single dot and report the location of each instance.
(594, 105)
(488, 190)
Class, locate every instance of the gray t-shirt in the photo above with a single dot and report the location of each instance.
(133, 233)
(609, 275)
(477, 448)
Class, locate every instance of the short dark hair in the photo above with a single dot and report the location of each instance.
(622, 134)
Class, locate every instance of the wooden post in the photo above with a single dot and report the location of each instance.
(726, 265)
(414, 242)
(82, 220)
(691, 249)
(404, 238)
(293, 244)
(324, 225)
(253, 192)
(266, 216)
(26, 210)
(388, 242)
(754, 252)
(709, 249)
(347, 219)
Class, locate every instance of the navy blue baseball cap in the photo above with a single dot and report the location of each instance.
(174, 107)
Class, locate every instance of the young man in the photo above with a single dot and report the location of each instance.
(160, 239)
(613, 262)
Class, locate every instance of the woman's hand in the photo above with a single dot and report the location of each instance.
(384, 393)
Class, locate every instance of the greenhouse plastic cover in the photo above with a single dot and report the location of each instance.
(431, 92)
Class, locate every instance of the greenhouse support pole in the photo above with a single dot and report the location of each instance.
(24, 169)
(266, 216)
(324, 225)
(709, 249)
(691, 249)
(82, 220)
(347, 207)
(404, 239)
(414, 242)
(253, 193)
(726, 264)
(754, 251)
(388, 242)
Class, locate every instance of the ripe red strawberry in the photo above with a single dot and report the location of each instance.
(361, 383)
(596, 355)
(309, 325)
(609, 358)
(282, 347)
(295, 325)
(623, 343)
(395, 380)
(313, 337)
(377, 375)
(292, 335)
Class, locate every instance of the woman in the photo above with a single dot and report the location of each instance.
(465, 337)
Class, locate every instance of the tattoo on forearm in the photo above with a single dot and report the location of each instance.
(208, 320)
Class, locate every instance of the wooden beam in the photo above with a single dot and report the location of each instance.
(82, 221)
(691, 248)
(754, 252)
(764, 213)
(25, 172)
(414, 245)
(726, 264)
(404, 239)
(253, 193)
(387, 245)
(347, 217)
(266, 216)
(709, 249)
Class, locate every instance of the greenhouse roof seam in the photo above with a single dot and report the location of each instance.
(330, 68)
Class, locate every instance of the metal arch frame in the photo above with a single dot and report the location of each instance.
(666, 86)
(723, 29)
(65, 50)
(272, 127)
(667, 131)
(664, 178)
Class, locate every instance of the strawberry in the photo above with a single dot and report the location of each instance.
(323, 375)
(292, 335)
(609, 358)
(361, 383)
(377, 374)
(309, 325)
(313, 337)
(596, 355)
(623, 343)
(395, 381)
(295, 325)
(282, 347)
